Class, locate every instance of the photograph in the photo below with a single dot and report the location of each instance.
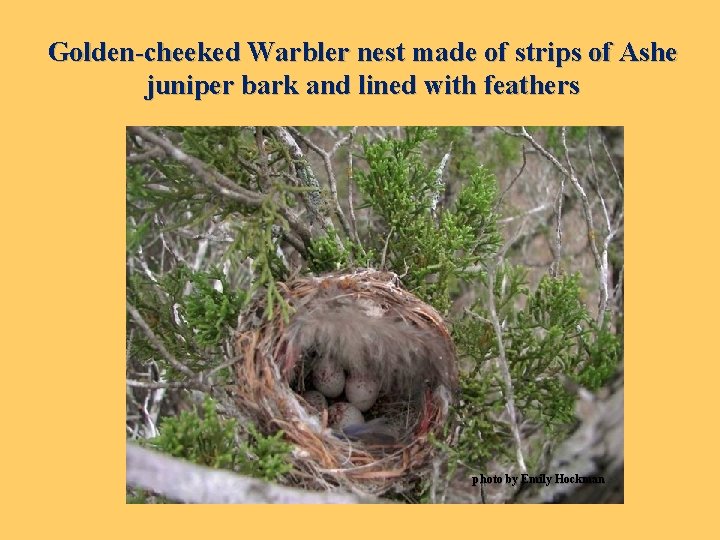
(374, 314)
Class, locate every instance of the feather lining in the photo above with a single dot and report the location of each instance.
(367, 336)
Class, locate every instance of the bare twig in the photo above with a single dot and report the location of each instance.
(215, 180)
(557, 252)
(612, 164)
(569, 173)
(611, 231)
(313, 199)
(165, 384)
(224, 186)
(385, 248)
(505, 370)
(526, 213)
(477, 316)
(155, 341)
(347, 138)
(351, 204)
(227, 363)
(512, 182)
(145, 156)
(262, 155)
(295, 241)
(332, 181)
(186, 482)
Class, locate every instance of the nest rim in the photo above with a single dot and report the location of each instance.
(322, 459)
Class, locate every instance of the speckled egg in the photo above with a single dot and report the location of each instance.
(329, 378)
(362, 390)
(316, 400)
(342, 415)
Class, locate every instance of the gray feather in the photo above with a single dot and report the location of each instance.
(361, 336)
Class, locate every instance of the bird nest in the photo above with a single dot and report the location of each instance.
(353, 343)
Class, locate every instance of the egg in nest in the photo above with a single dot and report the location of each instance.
(342, 415)
(316, 400)
(362, 390)
(328, 378)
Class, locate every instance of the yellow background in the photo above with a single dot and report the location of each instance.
(63, 190)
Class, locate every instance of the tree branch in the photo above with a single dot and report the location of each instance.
(224, 186)
(331, 178)
(505, 370)
(569, 173)
(313, 198)
(215, 180)
(186, 482)
(155, 341)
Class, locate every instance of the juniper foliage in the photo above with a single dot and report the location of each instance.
(428, 205)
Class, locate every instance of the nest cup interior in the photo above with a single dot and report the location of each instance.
(360, 328)
(389, 420)
(375, 360)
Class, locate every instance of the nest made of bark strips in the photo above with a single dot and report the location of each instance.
(365, 323)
